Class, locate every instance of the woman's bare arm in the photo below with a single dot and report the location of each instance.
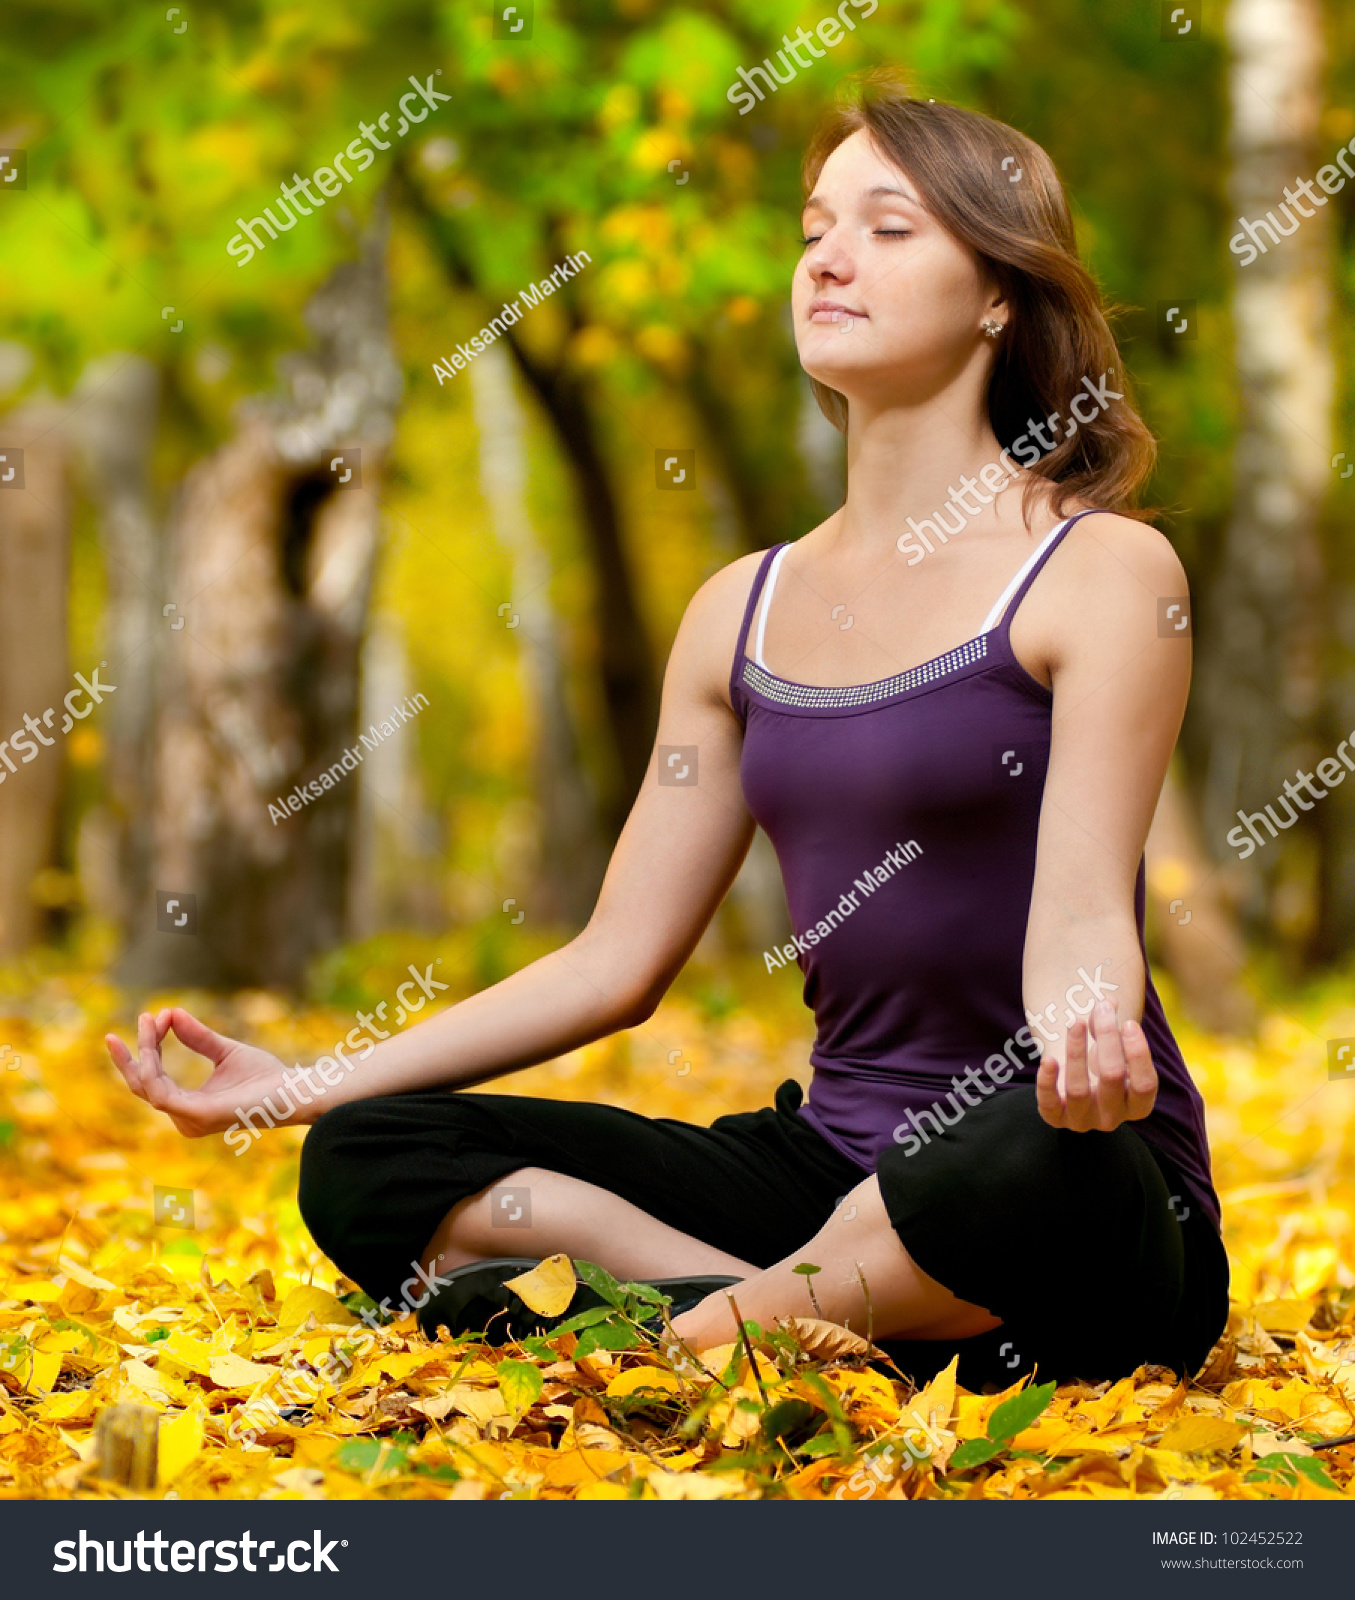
(1120, 687)
(676, 858)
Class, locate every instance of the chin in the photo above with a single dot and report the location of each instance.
(832, 367)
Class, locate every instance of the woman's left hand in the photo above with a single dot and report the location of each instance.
(1110, 1078)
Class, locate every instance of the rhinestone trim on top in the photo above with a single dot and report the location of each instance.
(863, 694)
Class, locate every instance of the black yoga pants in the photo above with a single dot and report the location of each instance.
(1087, 1245)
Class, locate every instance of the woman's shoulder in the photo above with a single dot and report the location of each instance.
(708, 635)
(1105, 547)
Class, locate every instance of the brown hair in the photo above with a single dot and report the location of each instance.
(1021, 229)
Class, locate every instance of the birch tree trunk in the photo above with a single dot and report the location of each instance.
(570, 854)
(1261, 635)
(34, 672)
(113, 419)
(395, 879)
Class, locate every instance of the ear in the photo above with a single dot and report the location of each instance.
(996, 301)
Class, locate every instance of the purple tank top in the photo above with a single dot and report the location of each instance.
(904, 814)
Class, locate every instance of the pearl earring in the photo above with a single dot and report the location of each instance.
(991, 327)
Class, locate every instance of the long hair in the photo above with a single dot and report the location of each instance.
(997, 191)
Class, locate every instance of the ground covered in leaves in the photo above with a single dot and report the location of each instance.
(210, 1304)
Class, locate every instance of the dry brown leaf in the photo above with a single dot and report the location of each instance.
(826, 1341)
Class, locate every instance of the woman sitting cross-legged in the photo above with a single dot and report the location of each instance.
(1001, 1148)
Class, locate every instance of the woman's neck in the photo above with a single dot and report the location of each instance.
(913, 463)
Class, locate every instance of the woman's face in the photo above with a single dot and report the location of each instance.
(886, 303)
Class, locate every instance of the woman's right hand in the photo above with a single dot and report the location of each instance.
(243, 1075)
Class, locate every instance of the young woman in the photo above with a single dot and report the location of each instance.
(1002, 1153)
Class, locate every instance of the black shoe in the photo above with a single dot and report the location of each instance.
(476, 1298)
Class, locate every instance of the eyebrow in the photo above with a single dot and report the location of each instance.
(880, 191)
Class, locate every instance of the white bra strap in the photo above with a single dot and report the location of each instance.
(767, 604)
(994, 616)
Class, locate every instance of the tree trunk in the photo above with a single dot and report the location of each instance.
(113, 419)
(570, 856)
(630, 688)
(34, 672)
(1191, 920)
(272, 549)
(1260, 678)
(625, 657)
(396, 875)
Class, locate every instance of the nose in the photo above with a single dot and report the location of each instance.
(827, 262)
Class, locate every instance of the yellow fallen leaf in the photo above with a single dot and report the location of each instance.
(145, 1380)
(307, 1482)
(1195, 1433)
(1101, 1413)
(869, 1391)
(81, 1275)
(567, 1467)
(192, 1353)
(697, 1485)
(971, 1416)
(396, 1363)
(1264, 1443)
(478, 1404)
(1283, 1316)
(64, 1339)
(738, 1416)
(131, 1321)
(72, 1407)
(40, 1290)
(179, 1444)
(548, 1288)
(438, 1406)
(1053, 1436)
(46, 1367)
(1335, 1362)
(635, 1378)
(234, 1372)
(309, 1301)
(930, 1409)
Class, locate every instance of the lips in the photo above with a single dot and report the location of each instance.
(833, 311)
